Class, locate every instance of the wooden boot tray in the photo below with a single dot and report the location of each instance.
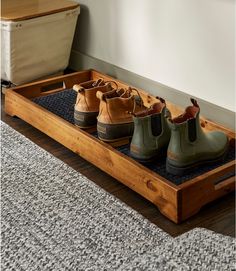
(48, 106)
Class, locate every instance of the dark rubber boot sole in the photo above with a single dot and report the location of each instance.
(85, 120)
(180, 171)
(151, 159)
(114, 132)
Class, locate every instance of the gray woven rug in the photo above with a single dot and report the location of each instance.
(54, 218)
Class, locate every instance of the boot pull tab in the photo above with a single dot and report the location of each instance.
(100, 95)
(194, 102)
(78, 88)
(161, 99)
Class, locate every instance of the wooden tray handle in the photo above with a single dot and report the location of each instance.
(52, 87)
(213, 185)
(223, 181)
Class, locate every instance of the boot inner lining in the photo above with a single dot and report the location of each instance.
(154, 109)
(190, 113)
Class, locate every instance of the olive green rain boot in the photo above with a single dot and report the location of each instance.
(151, 132)
(190, 146)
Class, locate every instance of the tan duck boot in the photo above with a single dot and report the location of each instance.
(87, 104)
(190, 146)
(114, 120)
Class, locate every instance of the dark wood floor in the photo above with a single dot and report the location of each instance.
(218, 216)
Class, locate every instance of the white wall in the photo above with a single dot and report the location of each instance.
(185, 44)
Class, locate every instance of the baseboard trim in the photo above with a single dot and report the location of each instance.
(220, 115)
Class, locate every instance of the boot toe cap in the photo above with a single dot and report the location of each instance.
(219, 141)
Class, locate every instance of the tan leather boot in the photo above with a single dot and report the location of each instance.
(87, 104)
(114, 120)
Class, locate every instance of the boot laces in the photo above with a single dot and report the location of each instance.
(137, 100)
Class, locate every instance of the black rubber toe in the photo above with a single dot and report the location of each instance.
(114, 132)
(180, 171)
(85, 119)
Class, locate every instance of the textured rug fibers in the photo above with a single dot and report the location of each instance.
(54, 218)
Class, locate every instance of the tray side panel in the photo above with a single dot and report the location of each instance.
(197, 193)
(130, 173)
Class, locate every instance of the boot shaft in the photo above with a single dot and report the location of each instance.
(186, 130)
(151, 131)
